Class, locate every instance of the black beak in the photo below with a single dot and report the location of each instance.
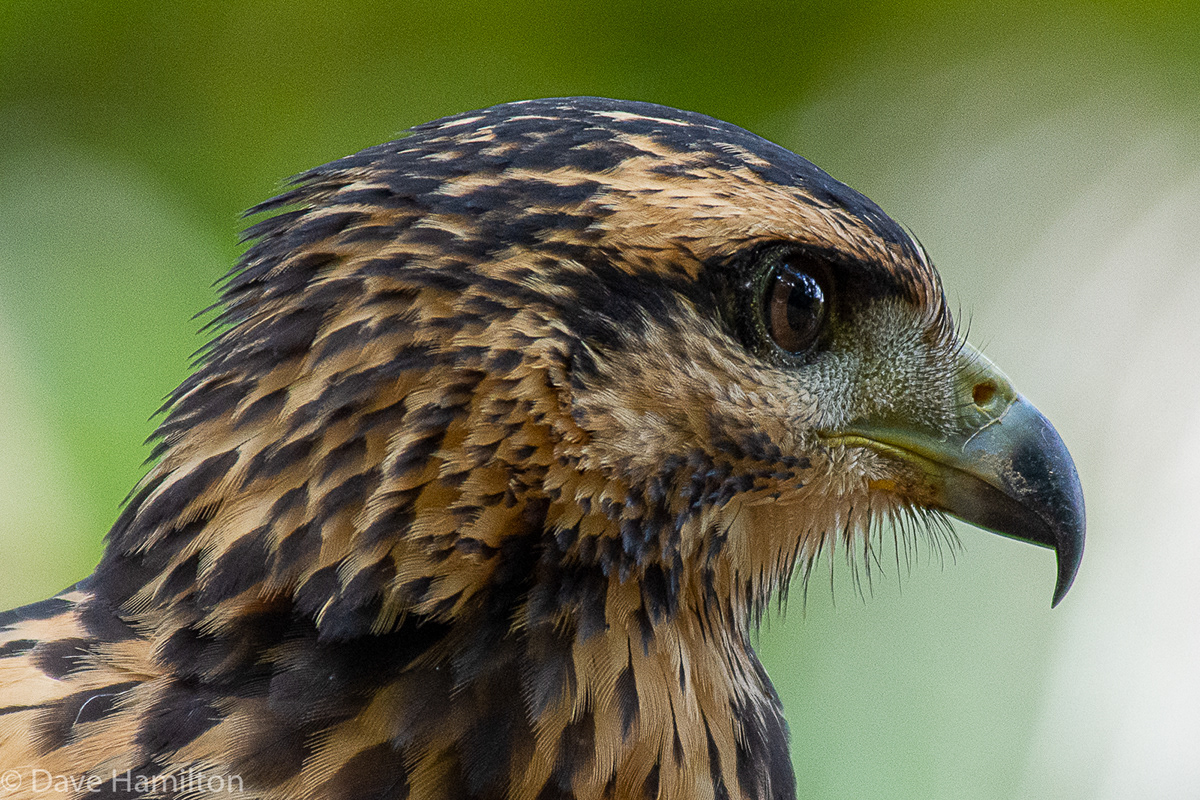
(1004, 468)
(1020, 481)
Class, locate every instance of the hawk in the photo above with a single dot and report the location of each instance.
(508, 432)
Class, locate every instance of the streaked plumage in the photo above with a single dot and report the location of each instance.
(499, 453)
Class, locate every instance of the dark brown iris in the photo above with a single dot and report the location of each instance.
(793, 307)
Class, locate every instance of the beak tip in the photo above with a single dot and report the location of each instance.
(1069, 552)
(1061, 588)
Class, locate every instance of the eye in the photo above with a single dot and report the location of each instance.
(793, 305)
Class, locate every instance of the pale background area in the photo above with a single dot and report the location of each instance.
(1048, 158)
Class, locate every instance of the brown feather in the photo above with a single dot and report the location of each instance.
(481, 485)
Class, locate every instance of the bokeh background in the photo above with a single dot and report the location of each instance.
(1047, 154)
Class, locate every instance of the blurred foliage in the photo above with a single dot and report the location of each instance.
(133, 134)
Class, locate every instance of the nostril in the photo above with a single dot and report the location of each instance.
(983, 393)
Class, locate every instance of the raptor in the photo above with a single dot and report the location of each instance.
(507, 433)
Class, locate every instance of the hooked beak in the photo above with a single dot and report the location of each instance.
(1004, 469)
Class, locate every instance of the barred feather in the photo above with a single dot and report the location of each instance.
(482, 484)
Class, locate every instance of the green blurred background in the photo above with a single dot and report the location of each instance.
(1046, 154)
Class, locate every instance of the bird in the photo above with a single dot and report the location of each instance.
(506, 435)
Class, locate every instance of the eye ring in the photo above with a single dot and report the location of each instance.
(794, 304)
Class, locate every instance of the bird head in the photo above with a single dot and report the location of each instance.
(510, 429)
(646, 342)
